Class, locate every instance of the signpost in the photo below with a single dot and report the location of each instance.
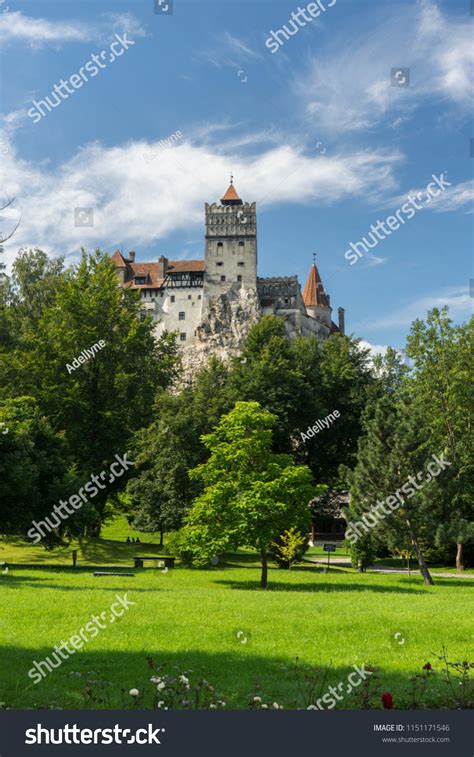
(329, 548)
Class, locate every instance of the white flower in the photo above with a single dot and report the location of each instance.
(161, 686)
(222, 704)
(212, 707)
(276, 706)
(257, 699)
(155, 679)
(134, 692)
(264, 706)
(184, 680)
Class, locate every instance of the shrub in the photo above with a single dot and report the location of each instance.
(289, 548)
(362, 553)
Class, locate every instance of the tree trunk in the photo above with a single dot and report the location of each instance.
(263, 579)
(459, 557)
(161, 537)
(421, 560)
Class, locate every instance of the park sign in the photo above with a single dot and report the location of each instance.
(329, 547)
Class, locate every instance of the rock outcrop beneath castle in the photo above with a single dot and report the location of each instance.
(223, 330)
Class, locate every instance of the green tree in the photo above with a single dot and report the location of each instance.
(391, 451)
(99, 405)
(164, 452)
(442, 391)
(34, 472)
(251, 494)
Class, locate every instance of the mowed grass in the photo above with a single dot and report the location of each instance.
(192, 619)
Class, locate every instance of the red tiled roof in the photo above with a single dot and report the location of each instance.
(231, 194)
(153, 271)
(119, 259)
(314, 294)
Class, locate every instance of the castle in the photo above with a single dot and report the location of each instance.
(212, 303)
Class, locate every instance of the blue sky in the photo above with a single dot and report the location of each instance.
(313, 132)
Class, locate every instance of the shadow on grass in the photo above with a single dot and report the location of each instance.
(103, 583)
(320, 586)
(236, 675)
(92, 550)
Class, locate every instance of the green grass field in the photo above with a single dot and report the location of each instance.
(192, 618)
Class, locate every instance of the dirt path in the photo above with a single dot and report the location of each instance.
(346, 561)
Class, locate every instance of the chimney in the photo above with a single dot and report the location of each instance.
(163, 266)
(342, 325)
(131, 256)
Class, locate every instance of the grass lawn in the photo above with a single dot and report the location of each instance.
(191, 619)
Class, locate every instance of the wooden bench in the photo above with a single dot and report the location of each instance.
(165, 560)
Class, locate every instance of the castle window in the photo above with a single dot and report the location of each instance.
(220, 262)
(182, 316)
(189, 296)
(199, 296)
(140, 279)
(241, 244)
(182, 337)
(222, 278)
(241, 262)
(172, 298)
(239, 278)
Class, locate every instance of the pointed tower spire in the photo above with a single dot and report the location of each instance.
(314, 295)
(231, 197)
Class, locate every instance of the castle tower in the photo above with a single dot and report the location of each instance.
(316, 300)
(231, 246)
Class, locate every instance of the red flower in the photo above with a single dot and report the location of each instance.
(427, 666)
(387, 700)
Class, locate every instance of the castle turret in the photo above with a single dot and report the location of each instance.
(231, 245)
(315, 298)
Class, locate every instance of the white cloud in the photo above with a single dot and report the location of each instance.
(16, 28)
(457, 298)
(352, 91)
(138, 202)
(375, 349)
(456, 197)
